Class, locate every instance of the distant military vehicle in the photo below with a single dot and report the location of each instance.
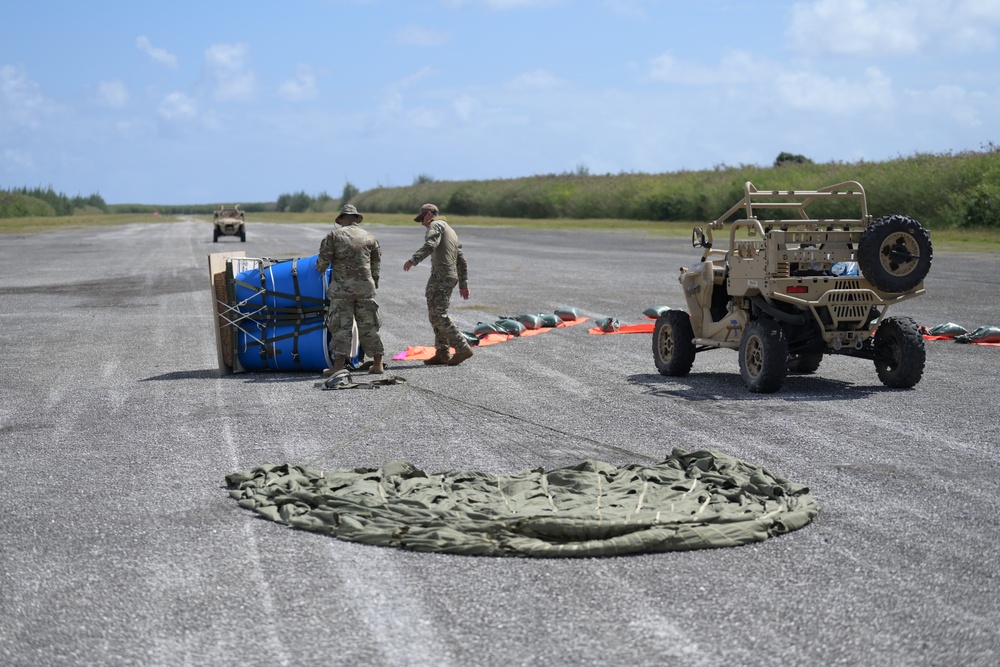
(229, 222)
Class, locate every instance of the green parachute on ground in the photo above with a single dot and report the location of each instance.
(694, 500)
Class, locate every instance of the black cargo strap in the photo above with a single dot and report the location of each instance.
(294, 335)
(317, 303)
(305, 306)
(367, 384)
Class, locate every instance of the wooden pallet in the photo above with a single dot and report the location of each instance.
(228, 362)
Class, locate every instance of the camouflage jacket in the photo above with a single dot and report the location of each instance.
(442, 246)
(356, 258)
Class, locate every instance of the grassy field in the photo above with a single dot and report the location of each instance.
(943, 191)
(953, 240)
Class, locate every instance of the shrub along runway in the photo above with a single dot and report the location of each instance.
(121, 544)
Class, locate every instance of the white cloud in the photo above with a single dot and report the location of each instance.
(161, 56)
(867, 28)
(630, 8)
(177, 106)
(948, 101)
(424, 118)
(227, 67)
(302, 87)
(501, 5)
(393, 106)
(22, 160)
(743, 77)
(736, 67)
(536, 80)
(412, 80)
(414, 35)
(21, 102)
(465, 107)
(134, 129)
(809, 91)
(113, 93)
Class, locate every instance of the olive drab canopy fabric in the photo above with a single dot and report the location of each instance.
(691, 500)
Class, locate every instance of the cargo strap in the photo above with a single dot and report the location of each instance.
(294, 335)
(306, 307)
(318, 305)
(369, 384)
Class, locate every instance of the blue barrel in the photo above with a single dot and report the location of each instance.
(285, 291)
(300, 346)
(281, 325)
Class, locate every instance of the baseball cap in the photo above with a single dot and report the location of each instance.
(424, 209)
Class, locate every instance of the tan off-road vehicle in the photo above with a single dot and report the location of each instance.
(787, 290)
(229, 222)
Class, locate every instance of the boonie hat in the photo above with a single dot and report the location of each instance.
(349, 209)
(424, 209)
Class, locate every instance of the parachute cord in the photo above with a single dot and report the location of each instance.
(392, 406)
(328, 455)
(523, 420)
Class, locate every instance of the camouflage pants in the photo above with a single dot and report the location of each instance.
(340, 318)
(446, 334)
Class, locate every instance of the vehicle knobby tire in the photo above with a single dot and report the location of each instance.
(899, 352)
(895, 253)
(804, 363)
(763, 356)
(673, 343)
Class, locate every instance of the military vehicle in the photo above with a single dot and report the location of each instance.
(229, 222)
(786, 290)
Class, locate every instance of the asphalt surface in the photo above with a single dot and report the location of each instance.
(119, 543)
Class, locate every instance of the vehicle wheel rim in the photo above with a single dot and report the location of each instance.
(899, 254)
(893, 354)
(666, 345)
(754, 356)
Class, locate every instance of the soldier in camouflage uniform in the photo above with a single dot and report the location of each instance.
(356, 257)
(448, 268)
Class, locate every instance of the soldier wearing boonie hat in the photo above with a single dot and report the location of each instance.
(349, 209)
(355, 257)
(448, 269)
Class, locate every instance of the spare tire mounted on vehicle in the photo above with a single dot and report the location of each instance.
(895, 253)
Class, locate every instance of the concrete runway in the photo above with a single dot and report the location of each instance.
(119, 544)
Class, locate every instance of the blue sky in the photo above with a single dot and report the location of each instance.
(224, 101)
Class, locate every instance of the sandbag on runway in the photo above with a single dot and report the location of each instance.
(980, 335)
(694, 500)
(568, 314)
(654, 312)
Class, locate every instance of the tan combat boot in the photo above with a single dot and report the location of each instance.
(460, 356)
(440, 357)
(338, 365)
(377, 368)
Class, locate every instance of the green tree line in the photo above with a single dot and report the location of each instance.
(37, 201)
(940, 190)
(189, 209)
(300, 202)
